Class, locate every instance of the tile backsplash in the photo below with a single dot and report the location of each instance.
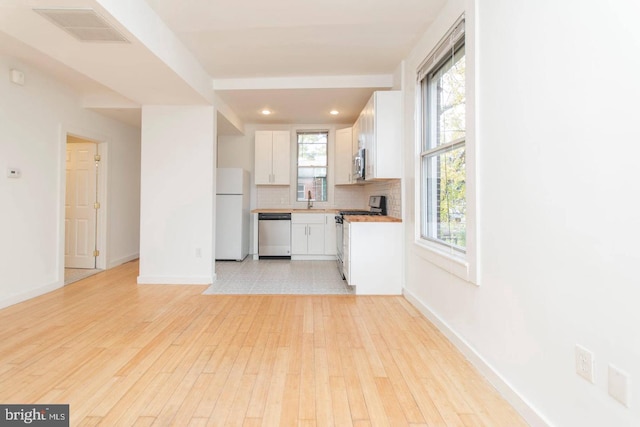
(392, 190)
(273, 196)
(349, 196)
(344, 196)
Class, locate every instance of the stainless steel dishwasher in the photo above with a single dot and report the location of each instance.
(274, 235)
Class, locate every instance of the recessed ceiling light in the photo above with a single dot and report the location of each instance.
(334, 112)
(266, 112)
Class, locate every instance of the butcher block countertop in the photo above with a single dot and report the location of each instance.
(371, 218)
(350, 218)
(291, 210)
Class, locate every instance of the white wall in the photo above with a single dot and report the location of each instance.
(33, 119)
(237, 151)
(557, 146)
(178, 195)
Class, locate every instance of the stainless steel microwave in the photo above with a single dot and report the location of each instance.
(359, 165)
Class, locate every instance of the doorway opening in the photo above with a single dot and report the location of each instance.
(82, 206)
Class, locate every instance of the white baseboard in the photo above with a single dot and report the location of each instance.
(520, 404)
(175, 280)
(313, 257)
(123, 260)
(18, 298)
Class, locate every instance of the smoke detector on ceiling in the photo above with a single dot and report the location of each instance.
(84, 24)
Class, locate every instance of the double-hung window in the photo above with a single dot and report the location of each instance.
(442, 138)
(312, 166)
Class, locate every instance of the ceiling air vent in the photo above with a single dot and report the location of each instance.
(84, 24)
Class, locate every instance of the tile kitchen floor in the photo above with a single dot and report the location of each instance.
(278, 276)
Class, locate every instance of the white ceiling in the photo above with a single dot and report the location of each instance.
(298, 105)
(296, 57)
(249, 38)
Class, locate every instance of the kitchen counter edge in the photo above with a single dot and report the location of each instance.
(350, 218)
(283, 210)
(371, 218)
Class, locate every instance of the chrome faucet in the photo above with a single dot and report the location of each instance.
(309, 202)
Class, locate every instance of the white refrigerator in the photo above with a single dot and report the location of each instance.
(232, 214)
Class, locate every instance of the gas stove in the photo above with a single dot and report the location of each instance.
(377, 206)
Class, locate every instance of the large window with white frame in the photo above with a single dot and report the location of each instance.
(312, 166)
(442, 138)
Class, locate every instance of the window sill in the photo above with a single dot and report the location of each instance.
(452, 263)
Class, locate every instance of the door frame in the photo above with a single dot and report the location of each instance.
(102, 143)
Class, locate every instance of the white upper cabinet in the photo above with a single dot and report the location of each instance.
(272, 156)
(380, 133)
(344, 156)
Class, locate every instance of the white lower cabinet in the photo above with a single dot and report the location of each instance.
(307, 234)
(373, 257)
(346, 247)
(330, 234)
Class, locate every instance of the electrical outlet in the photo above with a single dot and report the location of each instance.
(585, 364)
(619, 385)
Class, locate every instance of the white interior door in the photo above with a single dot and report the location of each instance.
(80, 211)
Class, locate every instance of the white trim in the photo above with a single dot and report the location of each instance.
(531, 415)
(176, 280)
(313, 257)
(450, 262)
(62, 189)
(466, 267)
(33, 293)
(123, 260)
(102, 142)
(448, 41)
(103, 218)
(306, 82)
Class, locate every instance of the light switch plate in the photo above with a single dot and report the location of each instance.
(619, 385)
(13, 173)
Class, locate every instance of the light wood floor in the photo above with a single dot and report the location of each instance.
(123, 354)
